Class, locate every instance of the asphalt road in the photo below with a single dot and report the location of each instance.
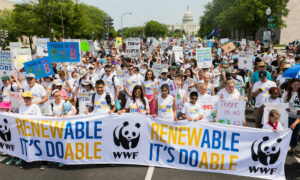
(125, 172)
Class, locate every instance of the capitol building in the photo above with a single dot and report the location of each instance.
(188, 25)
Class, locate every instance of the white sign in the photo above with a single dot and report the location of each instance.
(6, 64)
(267, 35)
(22, 56)
(84, 99)
(209, 107)
(245, 60)
(133, 47)
(13, 47)
(157, 68)
(16, 100)
(231, 112)
(178, 52)
(281, 108)
(204, 58)
(252, 46)
(224, 40)
(244, 44)
(41, 46)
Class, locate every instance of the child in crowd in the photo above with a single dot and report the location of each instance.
(192, 110)
(273, 122)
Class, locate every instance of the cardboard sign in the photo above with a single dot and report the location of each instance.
(228, 47)
(133, 47)
(16, 100)
(39, 67)
(6, 64)
(63, 51)
(41, 46)
(22, 56)
(157, 68)
(252, 46)
(209, 107)
(118, 41)
(178, 52)
(245, 60)
(204, 58)
(231, 112)
(281, 108)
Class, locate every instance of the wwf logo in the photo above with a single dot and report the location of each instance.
(5, 131)
(265, 151)
(127, 135)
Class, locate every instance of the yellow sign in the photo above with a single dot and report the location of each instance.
(118, 41)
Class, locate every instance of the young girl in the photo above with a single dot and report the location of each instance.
(189, 80)
(148, 88)
(273, 122)
(68, 108)
(165, 105)
(138, 103)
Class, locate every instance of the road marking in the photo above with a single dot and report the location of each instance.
(298, 159)
(2, 158)
(149, 173)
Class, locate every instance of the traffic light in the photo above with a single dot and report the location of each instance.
(105, 22)
(5, 34)
(1, 34)
(111, 22)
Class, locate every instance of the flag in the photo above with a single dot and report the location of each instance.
(215, 32)
(118, 41)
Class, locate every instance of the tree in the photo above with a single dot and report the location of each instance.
(131, 32)
(7, 23)
(155, 29)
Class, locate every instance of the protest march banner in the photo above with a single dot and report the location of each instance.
(41, 46)
(6, 64)
(16, 100)
(228, 47)
(281, 108)
(39, 67)
(231, 112)
(63, 51)
(118, 41)
(204, 58)
(178, 52)
(209, 107)
(133, 46)
(22, 55)
(158, 67)
(101, 139)
(245, 60)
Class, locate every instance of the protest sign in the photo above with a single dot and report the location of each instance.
(153, 43)
(157, 68)
(231, 112)
(39, 67)
(41, 46)
(187, 82)
(6, 64)
(178, 52)
(228, 47)
(224, 40)
(281, 108)
(83, 99)
(63, 51)
(174, 91)
(133, 47)
(13, 46)
(210, 43)
(239, 86)
(209, 107)
(84, 46)
(100, 139)
(204, 58)
(91, 45)
(118, 41)
(22, 56)
(16, 100)
(164, 45)
(244, 43)
(267, 35)
(252, 46)
(245, 60)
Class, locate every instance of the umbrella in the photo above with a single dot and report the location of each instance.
(292, 72)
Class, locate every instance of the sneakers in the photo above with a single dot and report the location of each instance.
(19, 161)
(10, 161)
(295, 153)
(61, 165)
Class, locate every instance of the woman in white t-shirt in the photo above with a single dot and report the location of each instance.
(29, 108)
(148, 87)
(56, 105)
(138, 103)
(229, 92)
(165, 105)
(292, 96)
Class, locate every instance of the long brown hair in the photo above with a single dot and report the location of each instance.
(153, 76)
(290, 89)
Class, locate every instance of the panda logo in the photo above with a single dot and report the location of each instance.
(265, 151)
(5, 131)
(128, 135)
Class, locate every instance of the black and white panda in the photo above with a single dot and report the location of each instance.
(5, 131)
(265, 151)
(127, 135)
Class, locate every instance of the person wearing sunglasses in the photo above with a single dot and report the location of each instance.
(192, 111)
(130, 81)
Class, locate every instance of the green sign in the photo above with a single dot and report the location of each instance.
(84, 46)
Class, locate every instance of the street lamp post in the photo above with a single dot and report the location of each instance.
(268, 13)
(122, 20)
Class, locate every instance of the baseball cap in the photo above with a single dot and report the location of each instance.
(30, 75)
(5, 78)
(57, 82)
(165, 70)
(262, 74)
(87, 82)
(27, 94)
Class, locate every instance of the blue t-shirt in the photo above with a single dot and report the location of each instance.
(255, 76)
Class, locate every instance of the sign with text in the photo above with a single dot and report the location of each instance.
(22, 55)
(157, 68)
(209, 107)
(39, 67)
(133, 47)
(41, 46)
(245, 60)
(204, 58)
(281, 108)
(231, 112)
(16, 100)
(228, 47)
(63, 51)
(178, 52)
(6, 64)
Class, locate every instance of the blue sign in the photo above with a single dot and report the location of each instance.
(209, 43)
(63, 51)
(39, 67)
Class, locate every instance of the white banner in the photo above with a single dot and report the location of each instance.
(133, 47)
(245, 60)
(6, 64)
(231, 112)
(281, 108)
(141, 140)
(204, 58)
(41, 46)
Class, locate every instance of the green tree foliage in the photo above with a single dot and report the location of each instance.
(246, 16)
(155, 29)
(132, 32)
(7, 23)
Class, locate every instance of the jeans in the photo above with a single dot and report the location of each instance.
(295, 135)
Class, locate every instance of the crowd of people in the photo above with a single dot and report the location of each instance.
(134, 91)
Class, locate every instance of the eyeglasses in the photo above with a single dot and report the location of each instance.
(107, 71)
(26, 98)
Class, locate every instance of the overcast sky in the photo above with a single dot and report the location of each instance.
(164, 11)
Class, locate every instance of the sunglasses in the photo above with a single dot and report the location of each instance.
(26, 98)
(194, 98)
(107, 71)
(29, 79)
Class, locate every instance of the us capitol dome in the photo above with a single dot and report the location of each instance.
(188, 25)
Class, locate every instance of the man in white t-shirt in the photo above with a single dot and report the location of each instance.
(260, 91)
(192, 110)
(101, 102)
(111, 82)
(39, 95)
(268, 58)
(29, 108)
(130, 81)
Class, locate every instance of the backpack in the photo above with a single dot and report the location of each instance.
(11, 88)
(113, 80)
(107, 99)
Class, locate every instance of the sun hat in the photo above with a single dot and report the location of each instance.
(5, 105)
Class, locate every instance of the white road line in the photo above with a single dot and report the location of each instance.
(298, 159)
(149, 173)
(2, 158)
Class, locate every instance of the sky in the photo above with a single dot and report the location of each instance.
(164, 11)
